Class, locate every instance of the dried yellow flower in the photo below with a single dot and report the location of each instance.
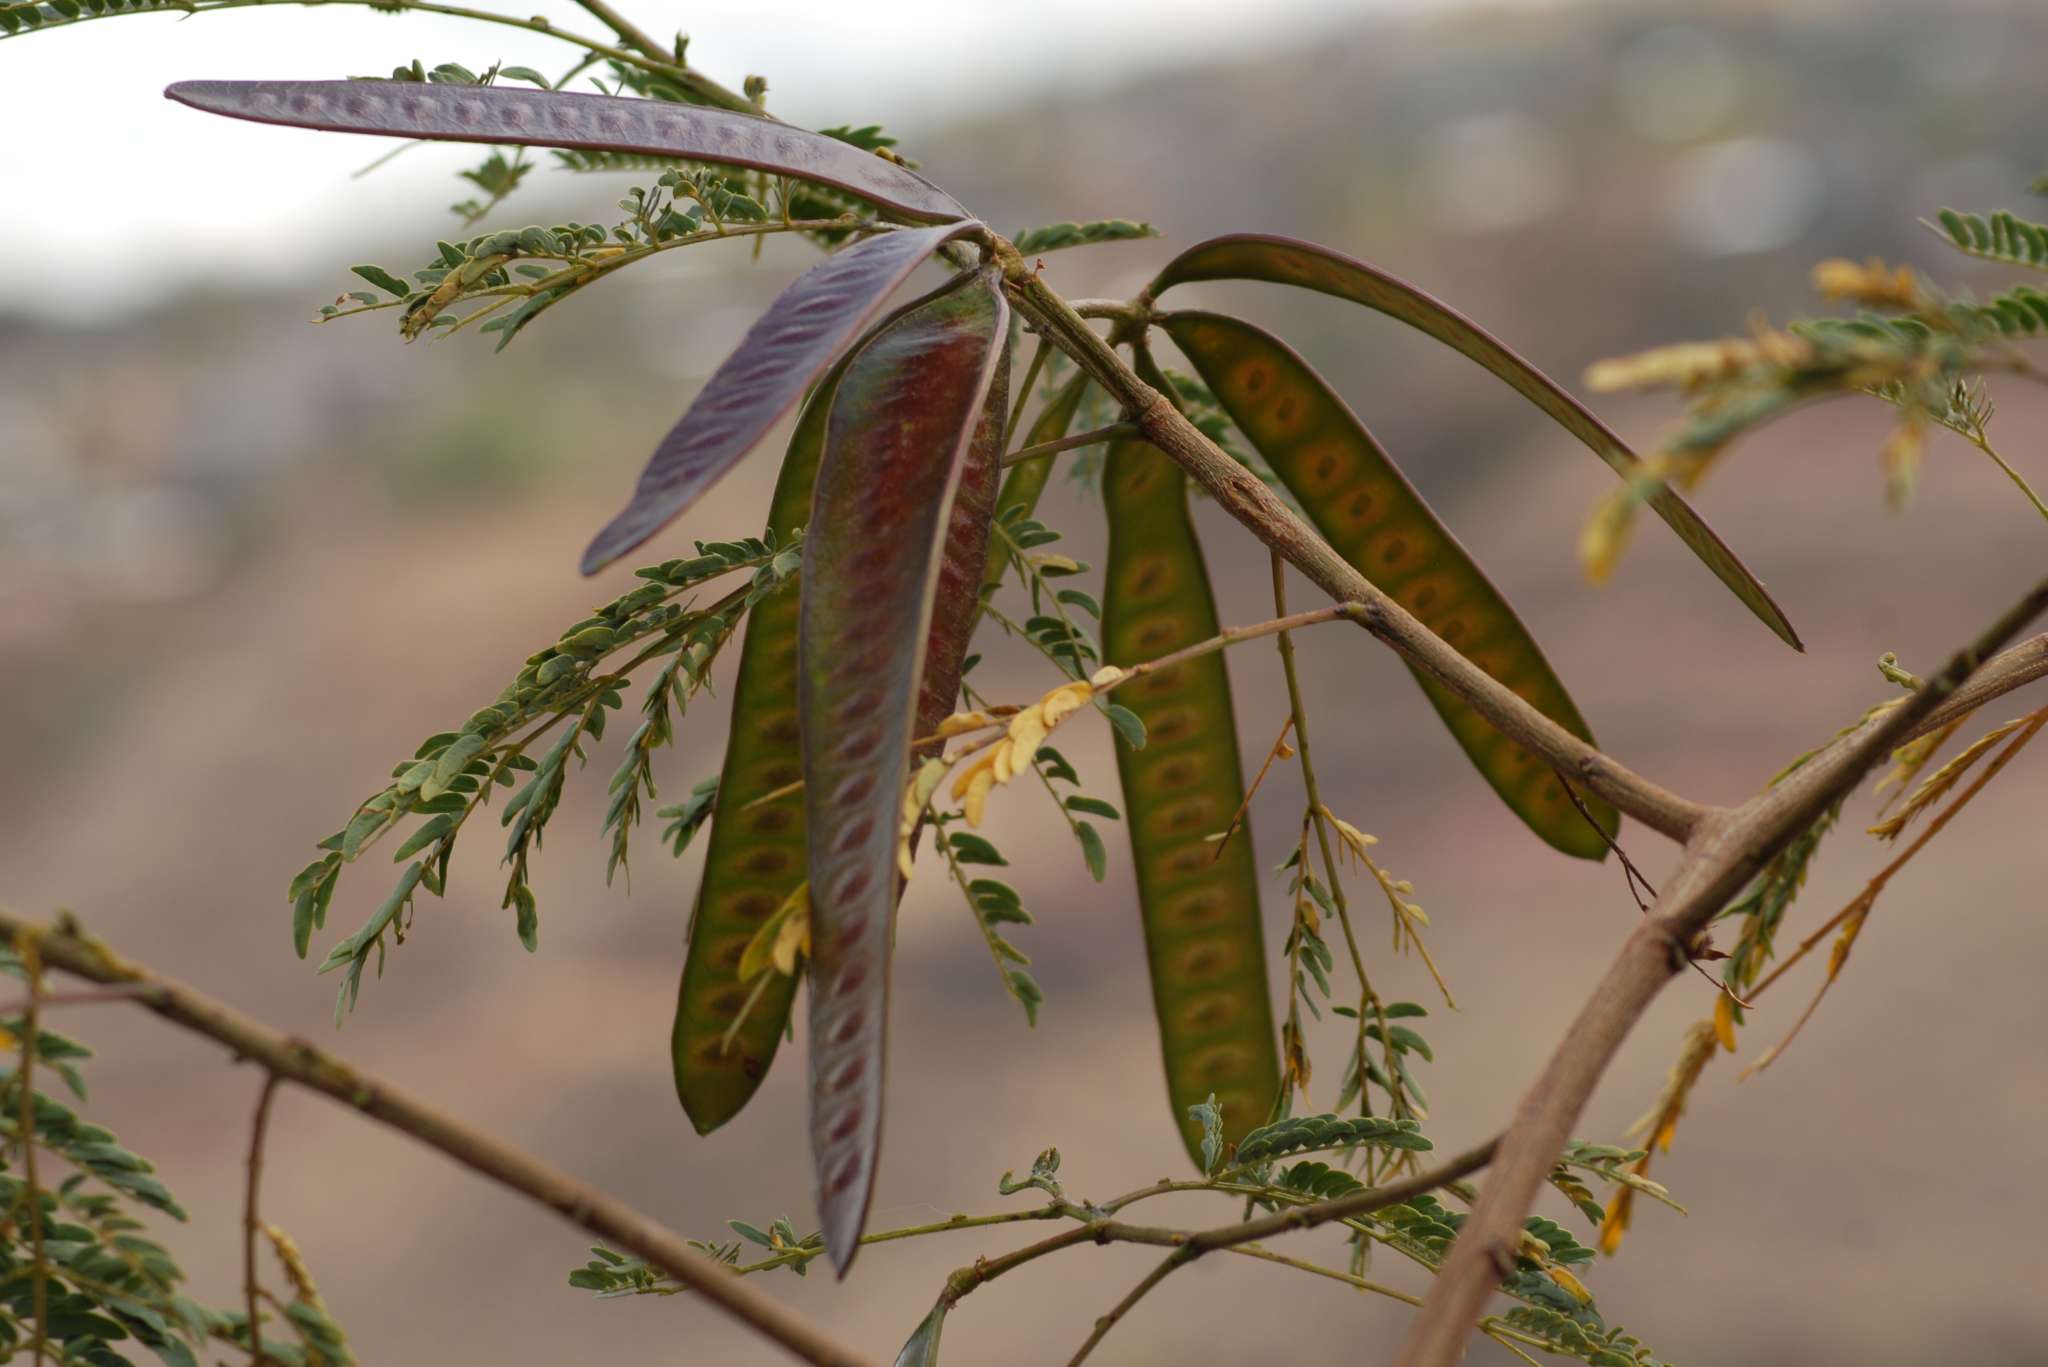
(1872, 284)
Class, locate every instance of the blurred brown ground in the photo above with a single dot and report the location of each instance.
(245, 565)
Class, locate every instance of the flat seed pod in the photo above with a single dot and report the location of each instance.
(755, 857)
(901, 426)
(1023, 485)
(1367, 510)
(783, 352)
(560, 118)
(1204, 941)
(1289, 261)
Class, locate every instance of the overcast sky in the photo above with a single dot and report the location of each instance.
(109, 194)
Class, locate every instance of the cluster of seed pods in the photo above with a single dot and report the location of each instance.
(892, 473)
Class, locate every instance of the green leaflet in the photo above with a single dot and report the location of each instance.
(1369, 512)
(1023, 485)
(1288, 261)
(897, 445)
(1203, 936)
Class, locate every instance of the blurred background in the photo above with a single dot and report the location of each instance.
(245, 564)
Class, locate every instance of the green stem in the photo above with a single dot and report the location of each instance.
(632, 34)
(1038, 355)
(691, 80)
(996, 943)
(1983, 443)
(1367, 998)
(1303, 1265)
(1055, 1211)
(1113, 432)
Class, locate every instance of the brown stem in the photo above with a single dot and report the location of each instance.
(2001, 674)
(1718, 859)
(1348, 1207)
(1177, 1258)
(88, 996)
(294, 1060)
(251, 1221)
(1189, 1246)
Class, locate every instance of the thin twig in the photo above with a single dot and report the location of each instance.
(86, 996)
(1189, 1246)
(1983, 443)
(1346, 1207)
(252, 1224)
(1113, 432)
(294, 1060)
(1237, 817)
(1630, 873)
(1023, 400)
(696, 81)
(1230, 636)
(1317, 1269)
(1318, 817)
(1177, 1258)
(632, 33)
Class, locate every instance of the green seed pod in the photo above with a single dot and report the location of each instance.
(1368, 511)
(1286, 261)
(1203, 936)
(754, 858)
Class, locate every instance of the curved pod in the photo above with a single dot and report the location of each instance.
(786, 349)
(754, 857)
(1363, 505)
(563, 118)
(1290, 261)
(1204, 940)
(901, 426)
